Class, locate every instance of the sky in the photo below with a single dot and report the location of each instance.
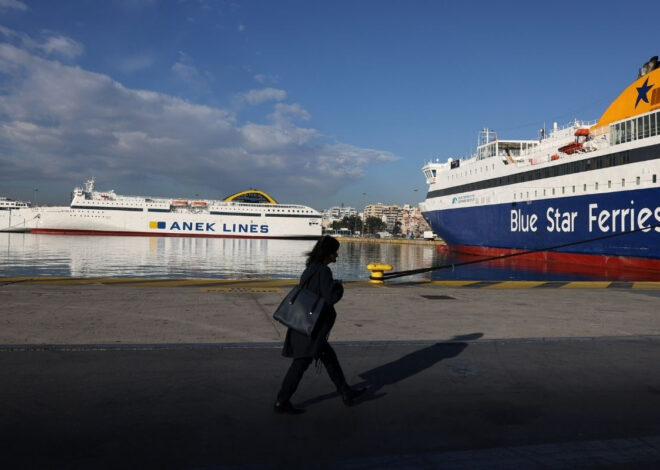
(320, 103)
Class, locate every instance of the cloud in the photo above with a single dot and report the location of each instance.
(255, 97)
(63, 46)
(185, 71)
(15, 4)
(263, 78)
(52, 45)
(135, 63)
(63, 123)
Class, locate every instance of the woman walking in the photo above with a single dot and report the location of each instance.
(304, 349)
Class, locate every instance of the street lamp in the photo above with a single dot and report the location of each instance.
(364, 213)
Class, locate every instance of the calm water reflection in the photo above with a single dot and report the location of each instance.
(80, 256)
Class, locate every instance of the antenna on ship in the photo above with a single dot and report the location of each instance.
(89, 185)
(486, 136)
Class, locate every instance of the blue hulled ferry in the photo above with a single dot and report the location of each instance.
(587, 192)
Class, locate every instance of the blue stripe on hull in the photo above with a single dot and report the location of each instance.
(533, 225)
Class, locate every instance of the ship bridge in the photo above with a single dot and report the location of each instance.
(490, 146)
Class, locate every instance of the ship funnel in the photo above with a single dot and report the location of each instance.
(649, 66)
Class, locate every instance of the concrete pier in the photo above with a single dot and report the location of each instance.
(114, 373)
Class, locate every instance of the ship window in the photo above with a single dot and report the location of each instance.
(596, 186)
(640, 128)
(614, 134)
(585, 187)
(544, 192)
(623, 182)
(638, 180)
(553, 191)
(652, 124)
(609, 183)
(563, 190)
(646, 120)
(654, 178)
(573, 188)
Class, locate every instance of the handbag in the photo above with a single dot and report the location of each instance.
(301, 308)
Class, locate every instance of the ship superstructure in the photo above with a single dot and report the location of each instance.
(573, 186)
(12, 215)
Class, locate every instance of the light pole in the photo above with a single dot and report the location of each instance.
(415, 197)
(364, 214)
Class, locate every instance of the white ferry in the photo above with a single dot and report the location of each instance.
(12, 215)
(584, 193)
(247, 214)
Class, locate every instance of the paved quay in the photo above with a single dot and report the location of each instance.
(109, 373)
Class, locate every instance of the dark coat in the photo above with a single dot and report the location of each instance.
(298, 345)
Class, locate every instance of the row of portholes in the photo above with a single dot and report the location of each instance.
(585, 188)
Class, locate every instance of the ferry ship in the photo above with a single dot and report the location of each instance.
(247, 214)
(587, 192)
(12, 215)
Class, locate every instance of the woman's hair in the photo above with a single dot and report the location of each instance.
(324, 247)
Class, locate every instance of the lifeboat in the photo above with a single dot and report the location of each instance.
(198, 203)
(571, 148)
(180, 203)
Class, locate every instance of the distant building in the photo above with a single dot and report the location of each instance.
(412, 222)
(390, 214)
(337, 213)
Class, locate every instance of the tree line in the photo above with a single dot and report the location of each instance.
(371, 225)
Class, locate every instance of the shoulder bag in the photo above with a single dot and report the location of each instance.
(300, 309)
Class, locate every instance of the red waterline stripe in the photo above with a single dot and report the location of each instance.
(112, 233)
(593, 261)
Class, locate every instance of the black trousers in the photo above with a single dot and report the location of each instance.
(299, 365)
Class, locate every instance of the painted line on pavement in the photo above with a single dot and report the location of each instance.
(229, 285)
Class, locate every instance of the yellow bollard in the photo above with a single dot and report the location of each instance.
(377, 270)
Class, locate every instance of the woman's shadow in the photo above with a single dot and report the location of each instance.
(407, 366)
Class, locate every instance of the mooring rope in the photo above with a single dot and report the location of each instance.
(412, 272)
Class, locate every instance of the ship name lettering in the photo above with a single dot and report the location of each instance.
(560, 221)
(622, 219)
(193, 226)
(244, 228)
(523, 222)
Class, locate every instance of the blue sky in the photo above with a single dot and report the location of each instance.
(314, 102)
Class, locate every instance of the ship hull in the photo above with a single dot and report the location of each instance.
(616, 228)
(70, 221)
(16, 220)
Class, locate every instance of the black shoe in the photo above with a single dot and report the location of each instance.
(351, 394)
(285, 407)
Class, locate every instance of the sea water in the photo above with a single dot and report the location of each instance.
(234, 258)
